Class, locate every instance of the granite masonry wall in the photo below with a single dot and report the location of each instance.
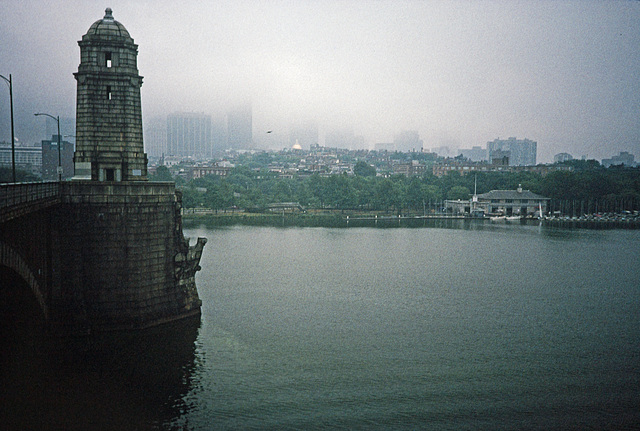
(124, 260)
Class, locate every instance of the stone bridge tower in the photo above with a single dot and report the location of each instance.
(124, 262)
(109, 144)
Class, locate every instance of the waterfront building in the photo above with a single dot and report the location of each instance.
(505, 202)
(189, 135)
(522, 152)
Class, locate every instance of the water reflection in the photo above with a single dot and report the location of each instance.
(125, 380)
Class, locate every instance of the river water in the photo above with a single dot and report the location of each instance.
(473, 327)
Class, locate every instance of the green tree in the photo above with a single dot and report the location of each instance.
(192, 198)
(415, 194)
(363, 169)
(162, 174)
(219, 195)
(458, 192)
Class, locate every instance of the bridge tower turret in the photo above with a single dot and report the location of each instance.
(109, 143)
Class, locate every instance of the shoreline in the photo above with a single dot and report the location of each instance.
(344, 220)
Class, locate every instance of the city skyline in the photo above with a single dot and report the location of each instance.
(564, 74)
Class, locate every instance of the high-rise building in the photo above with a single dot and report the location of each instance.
(155, 136)
(219, 139)
(562, 157)
(475, 154)
(189, 135)
(67, 128)
(624, 158)
(522, 152)
(240, 127)
(408, 140)
(50, 158)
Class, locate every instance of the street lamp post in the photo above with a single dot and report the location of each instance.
(57, 119)
(13, 138)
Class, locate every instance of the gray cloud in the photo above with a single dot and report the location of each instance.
(563, 73)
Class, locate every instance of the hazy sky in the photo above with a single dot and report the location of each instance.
(563, 73)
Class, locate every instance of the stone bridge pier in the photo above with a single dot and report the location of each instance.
(106, 256)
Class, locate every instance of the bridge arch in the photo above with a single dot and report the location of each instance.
(12, 260)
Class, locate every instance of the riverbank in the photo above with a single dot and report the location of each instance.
(353, 219)
(322, 219)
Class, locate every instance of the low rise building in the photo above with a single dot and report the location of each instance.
(201, 171)
(413, 168)
(504, 202)
(463, 167)
(27, 158)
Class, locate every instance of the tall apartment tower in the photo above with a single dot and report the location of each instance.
(189, 135)
(240, 127)
(109, 142)
(522, 152)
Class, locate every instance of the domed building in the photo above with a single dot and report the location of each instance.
(109, 143)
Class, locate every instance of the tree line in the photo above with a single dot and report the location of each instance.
(586, 189)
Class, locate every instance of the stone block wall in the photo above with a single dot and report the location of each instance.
(128, 263)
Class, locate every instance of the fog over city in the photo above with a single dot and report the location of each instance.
(563, 73)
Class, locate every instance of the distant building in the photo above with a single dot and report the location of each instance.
(624, 158)
(443, 151)
(50, 158)
(340, 139)
(475, 154)
(219, 132)
(522, 152)
(201, 171)
(304, 134)
(155, 136)
(414, 168)
(189, 135)
(562, 157)
(27, 158)
(383, 146)
(67, 128)
(500, 157)
(464, 167)
(240, 127)
(505, 202)
(407, 141)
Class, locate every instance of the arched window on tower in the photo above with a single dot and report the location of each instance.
(107, 59)
(109, 92)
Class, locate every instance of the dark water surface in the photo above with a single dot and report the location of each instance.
(482, 327)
